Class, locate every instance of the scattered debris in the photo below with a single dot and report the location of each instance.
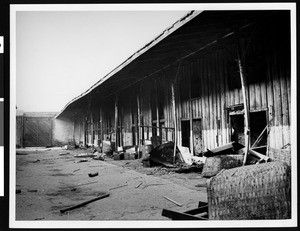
(73, 189)
(163, 155)
(192, 168)
(198, 159)
(99, 156)
(151, 185)
(200, 213)
(18, 191)
(36, 161)
(32, 190)
(129, 156)
(39, 218)
(119, 186)
(21, 153)
(83, 160)
(139, 185)
(93, 182)
(84, 203)
(201, 185)
(262, 158)
(186, 155)
(118, 155)
(64, 153)
(93, 174)
(173, 201)
(83, 155)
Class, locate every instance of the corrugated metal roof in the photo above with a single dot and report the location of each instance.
(189, 16)
(188, 37)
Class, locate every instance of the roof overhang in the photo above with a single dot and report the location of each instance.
(137, 54)
(190, 35)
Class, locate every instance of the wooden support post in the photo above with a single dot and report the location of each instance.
(191, 127)
(246, 110)
(92, 127)
(73, 129)
(157, 110)
(101, 127)
(138, 122)
(116, 123)
(175, 121)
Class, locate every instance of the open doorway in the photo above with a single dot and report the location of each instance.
(185, 133)
(258, 123)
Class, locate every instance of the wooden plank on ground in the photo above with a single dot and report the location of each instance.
(179, 216)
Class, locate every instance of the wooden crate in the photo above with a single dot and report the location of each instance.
(260, 191)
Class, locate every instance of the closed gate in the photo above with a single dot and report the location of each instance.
(37, 132)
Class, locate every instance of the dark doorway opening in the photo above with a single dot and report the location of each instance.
(258, 122)
(185, 133)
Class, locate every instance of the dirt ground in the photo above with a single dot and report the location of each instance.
(52, 179)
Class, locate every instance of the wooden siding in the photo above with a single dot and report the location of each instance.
(267, 69)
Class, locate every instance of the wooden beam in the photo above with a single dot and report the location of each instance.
(259, 155)
(84, 203)
(116, 122)
(138, 121)
(175, 121)
(198, 210)
(246, 108)
(179, 216)
(261, 134)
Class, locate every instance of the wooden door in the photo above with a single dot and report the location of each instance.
(37, 132)
(197, 136)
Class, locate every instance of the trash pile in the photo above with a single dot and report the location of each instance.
(211, 162)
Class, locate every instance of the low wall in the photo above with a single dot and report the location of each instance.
(63, 130)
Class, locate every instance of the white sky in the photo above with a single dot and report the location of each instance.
(61, 54)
